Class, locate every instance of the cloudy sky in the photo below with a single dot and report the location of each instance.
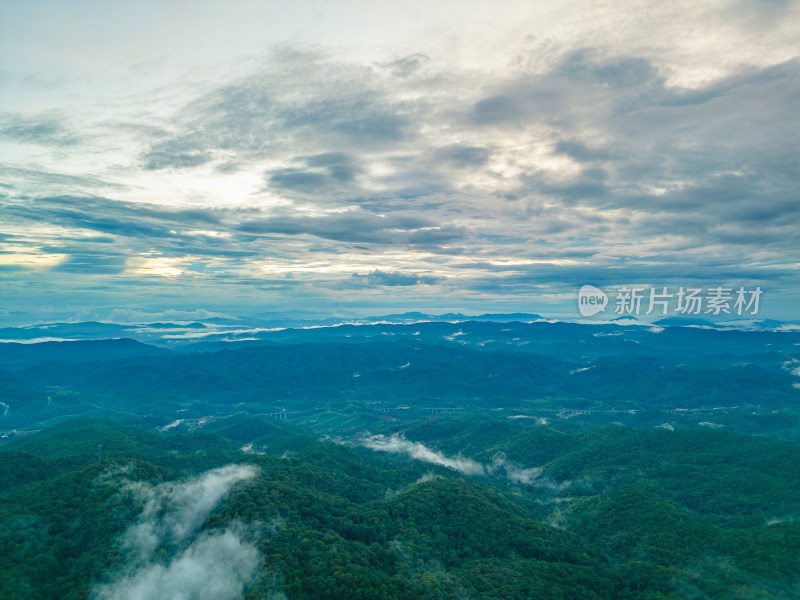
(367, 157)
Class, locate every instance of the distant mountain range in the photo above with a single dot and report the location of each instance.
(265, 327)
(532, 368)
(404, 456)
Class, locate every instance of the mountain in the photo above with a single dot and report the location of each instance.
(500, 459)
(684, 322)
(16, 355)
(639, 376)
(264, 506)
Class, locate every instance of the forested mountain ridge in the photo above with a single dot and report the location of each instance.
(604, 513)
(412, 460)
(744, 380)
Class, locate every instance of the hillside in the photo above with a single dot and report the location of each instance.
(607, 513)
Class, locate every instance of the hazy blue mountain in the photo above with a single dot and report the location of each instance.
(487, 458)
(17, 355)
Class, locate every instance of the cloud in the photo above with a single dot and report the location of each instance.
(460, 155)
(38, 177)
(327, 172)
(408, 65)
(395, 278)
(525, 476)
(588, 66)
(112, 216)
(580, 152)
(166, 556)
(399, 445)
(188, 504)
(516, 473)
(296, 95)
(92, 264)
(356, 226)
(176, 153)
(45, 130)
(612, 158)
(500, 465)
(214, 566)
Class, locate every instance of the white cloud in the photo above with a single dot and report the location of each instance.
(526, 476)
(216, 565)
(400, 445)
(500, 464)
(167, 557)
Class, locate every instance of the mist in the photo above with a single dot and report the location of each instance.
(400, 445)
(499, 467)
(169, 558)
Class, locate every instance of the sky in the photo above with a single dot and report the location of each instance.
(358, 157)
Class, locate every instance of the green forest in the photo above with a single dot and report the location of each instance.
(613, 512)
(469, 460)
